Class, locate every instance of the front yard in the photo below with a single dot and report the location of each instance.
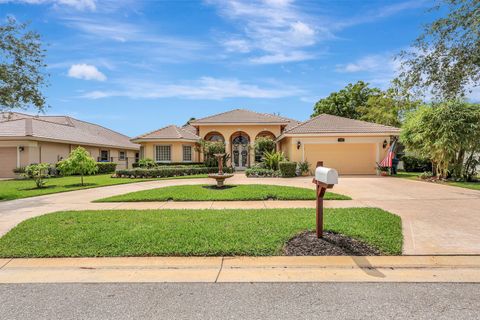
(17, 189)
(190, 232)
(461, 184)
(228, 193)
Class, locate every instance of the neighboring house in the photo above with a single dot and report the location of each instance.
(27, 139)
(350, 146)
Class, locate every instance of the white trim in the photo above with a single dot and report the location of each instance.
(340, 134)
(164, 140)
(77, 143)
(18, 156)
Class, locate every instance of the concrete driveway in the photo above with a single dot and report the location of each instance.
(436, 219)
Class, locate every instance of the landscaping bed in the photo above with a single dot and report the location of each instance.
(246, 192)
(261, 232)
(474, 185)
(331, 244)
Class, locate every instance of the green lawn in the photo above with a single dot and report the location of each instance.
(190, 232)
(414, 176)
(16, 189)
(229, 193)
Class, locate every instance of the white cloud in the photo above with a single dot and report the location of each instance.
(270, 30)
(86, 72)
(75, 4)
(204, 88)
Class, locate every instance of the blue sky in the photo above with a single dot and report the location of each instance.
(135, 66)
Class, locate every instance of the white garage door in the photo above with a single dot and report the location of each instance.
(348, 158)
(8, 161)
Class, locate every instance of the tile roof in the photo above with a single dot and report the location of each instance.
(241, 116)
(61, 128)
(326, 123)
(171, 132)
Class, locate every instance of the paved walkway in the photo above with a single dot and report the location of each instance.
(436, 219)
(243, 269)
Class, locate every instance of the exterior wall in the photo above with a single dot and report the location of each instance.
(176, 150)
(228, 130)
(357, 155)
(52, 152)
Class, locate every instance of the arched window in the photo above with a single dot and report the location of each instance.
(214, 136)
(265, 134)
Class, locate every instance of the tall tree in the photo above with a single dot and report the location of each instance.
(345, 103)
(22, 65)
(448, 134)
(445, 59)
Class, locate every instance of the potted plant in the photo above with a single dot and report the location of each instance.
(383, 170)
(303, 168)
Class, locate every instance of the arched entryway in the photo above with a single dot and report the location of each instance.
(263, 134)
(240, 144)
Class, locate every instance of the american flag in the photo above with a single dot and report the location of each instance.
(387, 161)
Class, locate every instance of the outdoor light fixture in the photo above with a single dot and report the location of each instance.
(299, 144)
(384, 144)
(341, 139)
(21, 149)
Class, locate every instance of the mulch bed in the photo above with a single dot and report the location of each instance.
(332, 244)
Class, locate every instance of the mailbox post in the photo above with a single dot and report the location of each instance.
(325, 178)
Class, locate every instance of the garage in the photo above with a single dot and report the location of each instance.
(8, 161)
(348, 158)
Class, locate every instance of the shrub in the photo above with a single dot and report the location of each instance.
(209, 149)
(106, 167)
(146, 163)
(272, 159)
(426, 175)
(261, 172)
(287, 169)
(165, 172)
(78, 162)
(19, 170)
(303, 167)
(415, 164)
(263, 145)
(38, 172)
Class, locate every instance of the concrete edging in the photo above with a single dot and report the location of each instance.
(242, 269)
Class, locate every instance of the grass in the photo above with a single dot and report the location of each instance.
(190, 232)
(461, 184)
(229, 193)
(17, 189)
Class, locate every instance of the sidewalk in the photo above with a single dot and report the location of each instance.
(242, 269)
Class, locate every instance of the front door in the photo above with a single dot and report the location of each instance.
(240, 156)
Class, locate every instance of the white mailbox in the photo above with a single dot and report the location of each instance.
(326, 175)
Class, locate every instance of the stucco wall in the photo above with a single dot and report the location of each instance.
(228, 130)
(356, 155)
(176, 149)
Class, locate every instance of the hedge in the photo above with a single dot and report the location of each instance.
(174, 164)
(287, 169)
(167, 172)
(414, 164)
(261, 172)
(106, 167)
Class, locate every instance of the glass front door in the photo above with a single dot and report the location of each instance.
(240, 152)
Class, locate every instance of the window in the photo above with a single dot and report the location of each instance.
(163, 153)
(187, 153)
(137, 156)
(121, 155)
(104, 156)
(142, 152)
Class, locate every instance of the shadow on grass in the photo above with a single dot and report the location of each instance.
(214, 187)
(35, 188)
(77, 185)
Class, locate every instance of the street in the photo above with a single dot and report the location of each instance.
(240, 301)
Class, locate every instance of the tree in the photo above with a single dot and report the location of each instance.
(78, 162)
(209, 149)
(387, 108)
(345, 103)
(445, 58)
(21, 67)
(446, 133)
(38, 172)
(262, 145)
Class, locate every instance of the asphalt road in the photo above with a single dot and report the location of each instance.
(240, 301)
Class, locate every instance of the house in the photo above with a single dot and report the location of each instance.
(26, 139)
(350, 146)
